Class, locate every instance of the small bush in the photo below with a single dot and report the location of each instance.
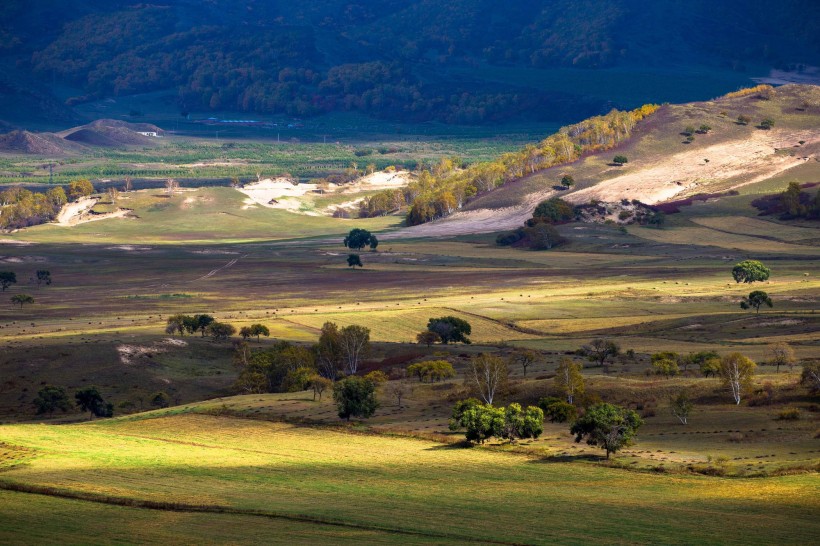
(789, 414)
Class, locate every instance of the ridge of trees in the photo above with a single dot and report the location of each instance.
(440, 191)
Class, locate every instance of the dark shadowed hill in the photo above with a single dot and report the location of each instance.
(414, 60)
(44, 144)
(111, 133)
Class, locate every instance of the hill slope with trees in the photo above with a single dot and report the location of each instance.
(390, 59)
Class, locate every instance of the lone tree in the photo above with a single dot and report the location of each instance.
(89, 399)
(598, 350)
(354, 260)
(568, 379)
(749, 271)
(21, 299)
(606, 425)
(681, 406)
(620, 160)
(488, 375)
(355, 397)
(737, 373)
(782, 355)
(756, 300)
(524, 357)
(450, 328)
(259, 330)
(7, 278)
(766, 123)
(567, 181)
(358, 238)
(427, 338)
(51, 398)
(743, 120)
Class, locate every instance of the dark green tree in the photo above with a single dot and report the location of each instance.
(43, 276)
(355, 397)
(557, 410)
(89, 399)
(7, 278)
(220, 331)
(553, 210)
(482, 422)
(450, 329)
(599, 349)
(756, 300)
(21, 299)
(567, 181)
(160, 400)
(201, 322)
(620, 160)
(606, 425)
(458, 412)
(354, 260)
(522, 423)
(358, 238)
(51, 398)
(766, 123)
(374, 243)
(750, 271)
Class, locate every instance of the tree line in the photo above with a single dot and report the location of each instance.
(20, 208)
(447, 186)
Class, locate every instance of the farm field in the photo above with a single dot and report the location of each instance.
(391, 485)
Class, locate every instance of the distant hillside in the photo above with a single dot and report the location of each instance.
(103, 133)
(729, 149)
(24, 142)
(111, 133)
(395, 59)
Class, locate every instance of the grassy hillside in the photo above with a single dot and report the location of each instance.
(663, 165)
(382, 485)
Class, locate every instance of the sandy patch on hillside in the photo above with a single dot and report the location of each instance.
(79, 212)
(476, 221)
(378, 181)
(14, 242)
(283, 193)
(744, 161)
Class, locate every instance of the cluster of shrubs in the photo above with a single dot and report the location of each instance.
(794, 203)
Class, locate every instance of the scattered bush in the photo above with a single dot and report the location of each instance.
(789, 414)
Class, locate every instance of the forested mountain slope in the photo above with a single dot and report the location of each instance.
(392, 59)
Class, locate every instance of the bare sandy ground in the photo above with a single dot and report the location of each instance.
(76, 213)
(283, 193)
(739, 162)
(743, 162)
